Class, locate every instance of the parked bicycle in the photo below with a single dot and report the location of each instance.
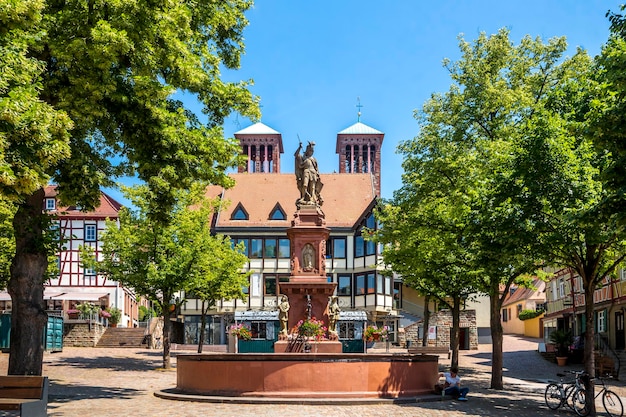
(610, 400)
(570, 394)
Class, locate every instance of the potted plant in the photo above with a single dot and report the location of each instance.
(116, 316)
(240, 331)
(87, 310)
(374, 333)
(562, 340)
(72, 314)
(311, 328)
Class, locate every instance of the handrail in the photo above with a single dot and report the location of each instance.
(601, 343)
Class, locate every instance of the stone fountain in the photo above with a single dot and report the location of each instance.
(324, 372)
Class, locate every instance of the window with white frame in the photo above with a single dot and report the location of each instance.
(51, 204)
(622, 274)
(602, 321)
(90, 233)
(561, 288)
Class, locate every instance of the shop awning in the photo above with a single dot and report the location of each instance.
(56, 295)
(77, 296)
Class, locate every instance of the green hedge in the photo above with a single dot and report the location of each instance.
(529, 314)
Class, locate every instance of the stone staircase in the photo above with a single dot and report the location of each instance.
(621, 356)
(116, 337)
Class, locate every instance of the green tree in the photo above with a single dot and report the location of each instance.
(608, 111)
(423, 241)
(220, 275)
(86, 96)
(161, 260)
(34, 138)
(466, 153)
(7, 240)
(578, 145)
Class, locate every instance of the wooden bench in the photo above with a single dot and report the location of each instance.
(429, 350)
(26, 394)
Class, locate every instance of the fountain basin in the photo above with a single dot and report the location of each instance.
(321, 375)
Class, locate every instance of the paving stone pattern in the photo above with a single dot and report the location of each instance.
(121, 382)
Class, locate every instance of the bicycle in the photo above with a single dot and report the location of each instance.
(610, 400)
(572, 394)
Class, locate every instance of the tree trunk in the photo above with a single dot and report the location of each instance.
(202, 326)
(167, 329)
(454, 335)
(426, 320)
(588, 357)
(496, 340)
(28, 318)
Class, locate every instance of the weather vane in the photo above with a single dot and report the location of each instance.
(359, 105)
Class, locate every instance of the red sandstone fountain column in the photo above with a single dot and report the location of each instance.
(308, 236)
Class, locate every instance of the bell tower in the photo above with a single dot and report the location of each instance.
(358, 147)
(263, 146)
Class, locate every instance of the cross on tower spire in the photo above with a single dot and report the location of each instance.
(359, 105)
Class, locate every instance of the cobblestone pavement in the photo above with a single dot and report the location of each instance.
(121, 382)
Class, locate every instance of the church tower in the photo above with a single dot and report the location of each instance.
(263, 146)
(359, 147)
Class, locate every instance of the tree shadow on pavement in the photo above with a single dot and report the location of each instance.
(491, 403)
(63, 393)
(111, 363)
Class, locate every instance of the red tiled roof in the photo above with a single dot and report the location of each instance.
(522, 293)
(346, 198)
(108, 208)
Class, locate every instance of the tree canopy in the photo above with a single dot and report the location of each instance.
(160, 261)
(86, 96)
(463, 205)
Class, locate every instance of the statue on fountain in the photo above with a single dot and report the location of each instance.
(333, 317)
(308, 178)
(283, 317)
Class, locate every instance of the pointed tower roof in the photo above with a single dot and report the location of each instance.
(360, 129)
(257, 129)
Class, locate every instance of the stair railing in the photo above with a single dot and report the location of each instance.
(601, 346)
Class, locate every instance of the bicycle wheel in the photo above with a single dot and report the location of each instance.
(554, 398)
(579, 402)
(612, 404)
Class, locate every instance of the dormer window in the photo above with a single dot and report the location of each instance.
(239, 213)
(51, 204)
(278, 213)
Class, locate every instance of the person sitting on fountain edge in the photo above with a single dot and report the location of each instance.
(453, 384)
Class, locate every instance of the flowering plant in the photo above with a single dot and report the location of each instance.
(105, 314)
(375, 332)
(72, 311)
(240, 331)
(311, 328)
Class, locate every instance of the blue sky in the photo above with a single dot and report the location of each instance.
(311, 60)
